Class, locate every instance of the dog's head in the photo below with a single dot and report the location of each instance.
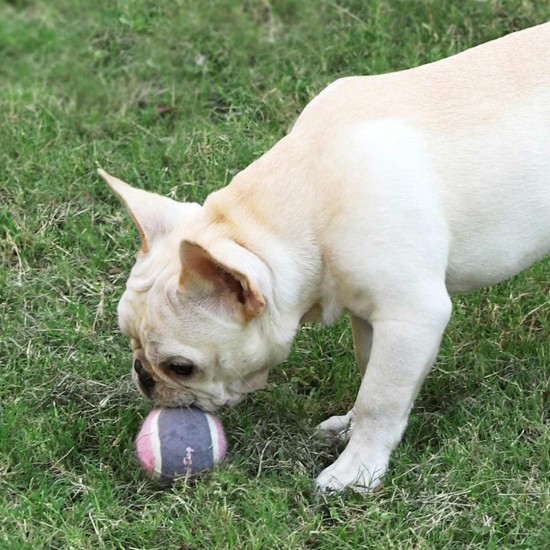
(195, 313)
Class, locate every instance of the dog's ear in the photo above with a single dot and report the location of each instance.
(153, 214)
(213, 273)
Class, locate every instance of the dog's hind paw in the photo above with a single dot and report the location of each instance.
(337, 427)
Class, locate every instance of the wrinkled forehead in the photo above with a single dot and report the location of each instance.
(160, 314)
(167, 330)
(131, 311)
(153, 275)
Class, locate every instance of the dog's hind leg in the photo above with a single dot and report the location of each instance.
(340, 427)
(337, 427)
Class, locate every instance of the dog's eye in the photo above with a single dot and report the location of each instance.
(181, 369)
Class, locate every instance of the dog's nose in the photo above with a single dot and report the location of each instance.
(145, 380)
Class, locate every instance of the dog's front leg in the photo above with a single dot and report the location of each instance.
(341, 426)
(405, 345)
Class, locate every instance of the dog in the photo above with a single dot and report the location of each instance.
(389, 194)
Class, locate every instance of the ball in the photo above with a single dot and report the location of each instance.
(179, 442)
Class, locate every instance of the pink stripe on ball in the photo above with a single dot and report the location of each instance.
(146, 442)
(222, 442)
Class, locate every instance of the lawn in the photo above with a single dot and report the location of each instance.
(176, 97)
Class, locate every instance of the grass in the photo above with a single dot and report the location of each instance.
(176, 97)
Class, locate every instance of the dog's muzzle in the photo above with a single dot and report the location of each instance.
(146, 382)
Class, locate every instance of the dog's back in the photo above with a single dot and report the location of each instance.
(479, 123)
(456, 92)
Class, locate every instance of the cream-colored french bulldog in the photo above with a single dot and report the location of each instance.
(389, 194)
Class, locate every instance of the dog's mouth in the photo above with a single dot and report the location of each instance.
(165, 396)
(206, 404)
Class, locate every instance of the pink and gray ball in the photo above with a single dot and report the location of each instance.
(179, 442)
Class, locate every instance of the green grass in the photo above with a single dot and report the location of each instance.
(81, 85)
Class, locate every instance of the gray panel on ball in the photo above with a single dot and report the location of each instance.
(185, 442)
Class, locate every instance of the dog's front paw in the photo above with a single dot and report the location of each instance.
(352, 471)
(337, 427)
